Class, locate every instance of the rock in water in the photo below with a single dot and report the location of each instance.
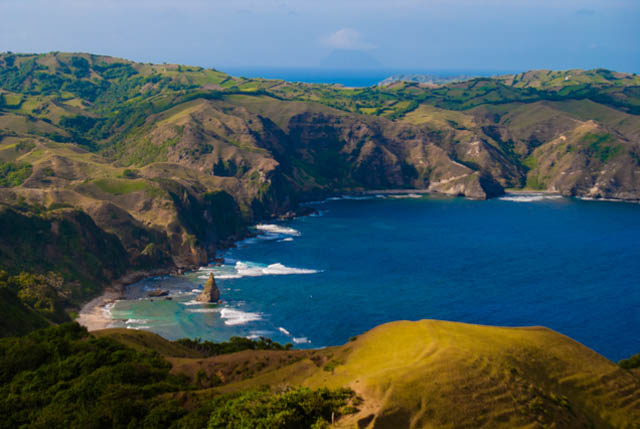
(210, 292)
(158, 292)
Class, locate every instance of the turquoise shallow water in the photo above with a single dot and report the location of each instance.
(567, 264)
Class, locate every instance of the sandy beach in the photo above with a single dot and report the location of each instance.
(94, 314)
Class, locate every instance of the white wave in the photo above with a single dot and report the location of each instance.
(248, 270)
(245, 269)
(610, 200)
(136, 321)
(301, 340)
(139, 327)
(284, 331)
(204, 277)
(261, 333)
(358, 197)
(236, 317)
(528, 198)
(404, 196)
(228, 276)
(196, 290)
(279, 269)
(107, 310)
(285, 239)
(192, 302)
(204, 310)
(277, 229)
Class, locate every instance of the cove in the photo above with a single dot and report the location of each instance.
(521, 260)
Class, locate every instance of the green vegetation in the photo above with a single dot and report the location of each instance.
(17, 318)
(59, 377)
(63, 377)
(631, 363)
(86, 257)
(295, 408)
(235, 344)
(14, 174)
(602, 146)
(47, 294)
(121, 187)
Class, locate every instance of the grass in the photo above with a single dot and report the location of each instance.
(413, 374)
(14, 173)
(602, 146)
(121, 186)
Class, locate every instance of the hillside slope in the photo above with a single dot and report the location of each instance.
(429, 374)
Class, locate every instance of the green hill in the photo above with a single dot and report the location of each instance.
(421, 374)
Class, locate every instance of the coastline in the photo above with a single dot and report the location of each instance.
(94, 314)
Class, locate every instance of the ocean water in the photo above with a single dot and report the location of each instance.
(346, 77)
(521, 260)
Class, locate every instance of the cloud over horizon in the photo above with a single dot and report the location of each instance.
(348, 38)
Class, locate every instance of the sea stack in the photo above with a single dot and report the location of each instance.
(210, 292)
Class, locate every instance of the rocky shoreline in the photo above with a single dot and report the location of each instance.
(94, 314)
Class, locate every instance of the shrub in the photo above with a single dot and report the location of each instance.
(62, 377)
(14, 173)
(235, 344)
(631, 363)
(295, 408)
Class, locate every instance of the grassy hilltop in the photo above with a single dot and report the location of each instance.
(405, 374)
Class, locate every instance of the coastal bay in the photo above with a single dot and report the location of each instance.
(362, 261)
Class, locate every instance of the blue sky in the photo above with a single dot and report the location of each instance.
(402, 34)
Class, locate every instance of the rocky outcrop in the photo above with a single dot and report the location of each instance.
(210, 292)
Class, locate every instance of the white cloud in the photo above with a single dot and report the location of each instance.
(348, 38)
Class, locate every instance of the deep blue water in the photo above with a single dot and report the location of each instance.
(346, 77)
(567, 264)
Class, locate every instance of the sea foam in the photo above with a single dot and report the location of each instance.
(284, 331)
(405, 196)
(277, 229)
(528, 198)
(235, 317)
(204, 310)
(136, 322)
(248, 269)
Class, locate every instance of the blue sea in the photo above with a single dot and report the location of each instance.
(315, 281)
(346, 77)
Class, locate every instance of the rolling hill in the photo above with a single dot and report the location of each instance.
(430, 374)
